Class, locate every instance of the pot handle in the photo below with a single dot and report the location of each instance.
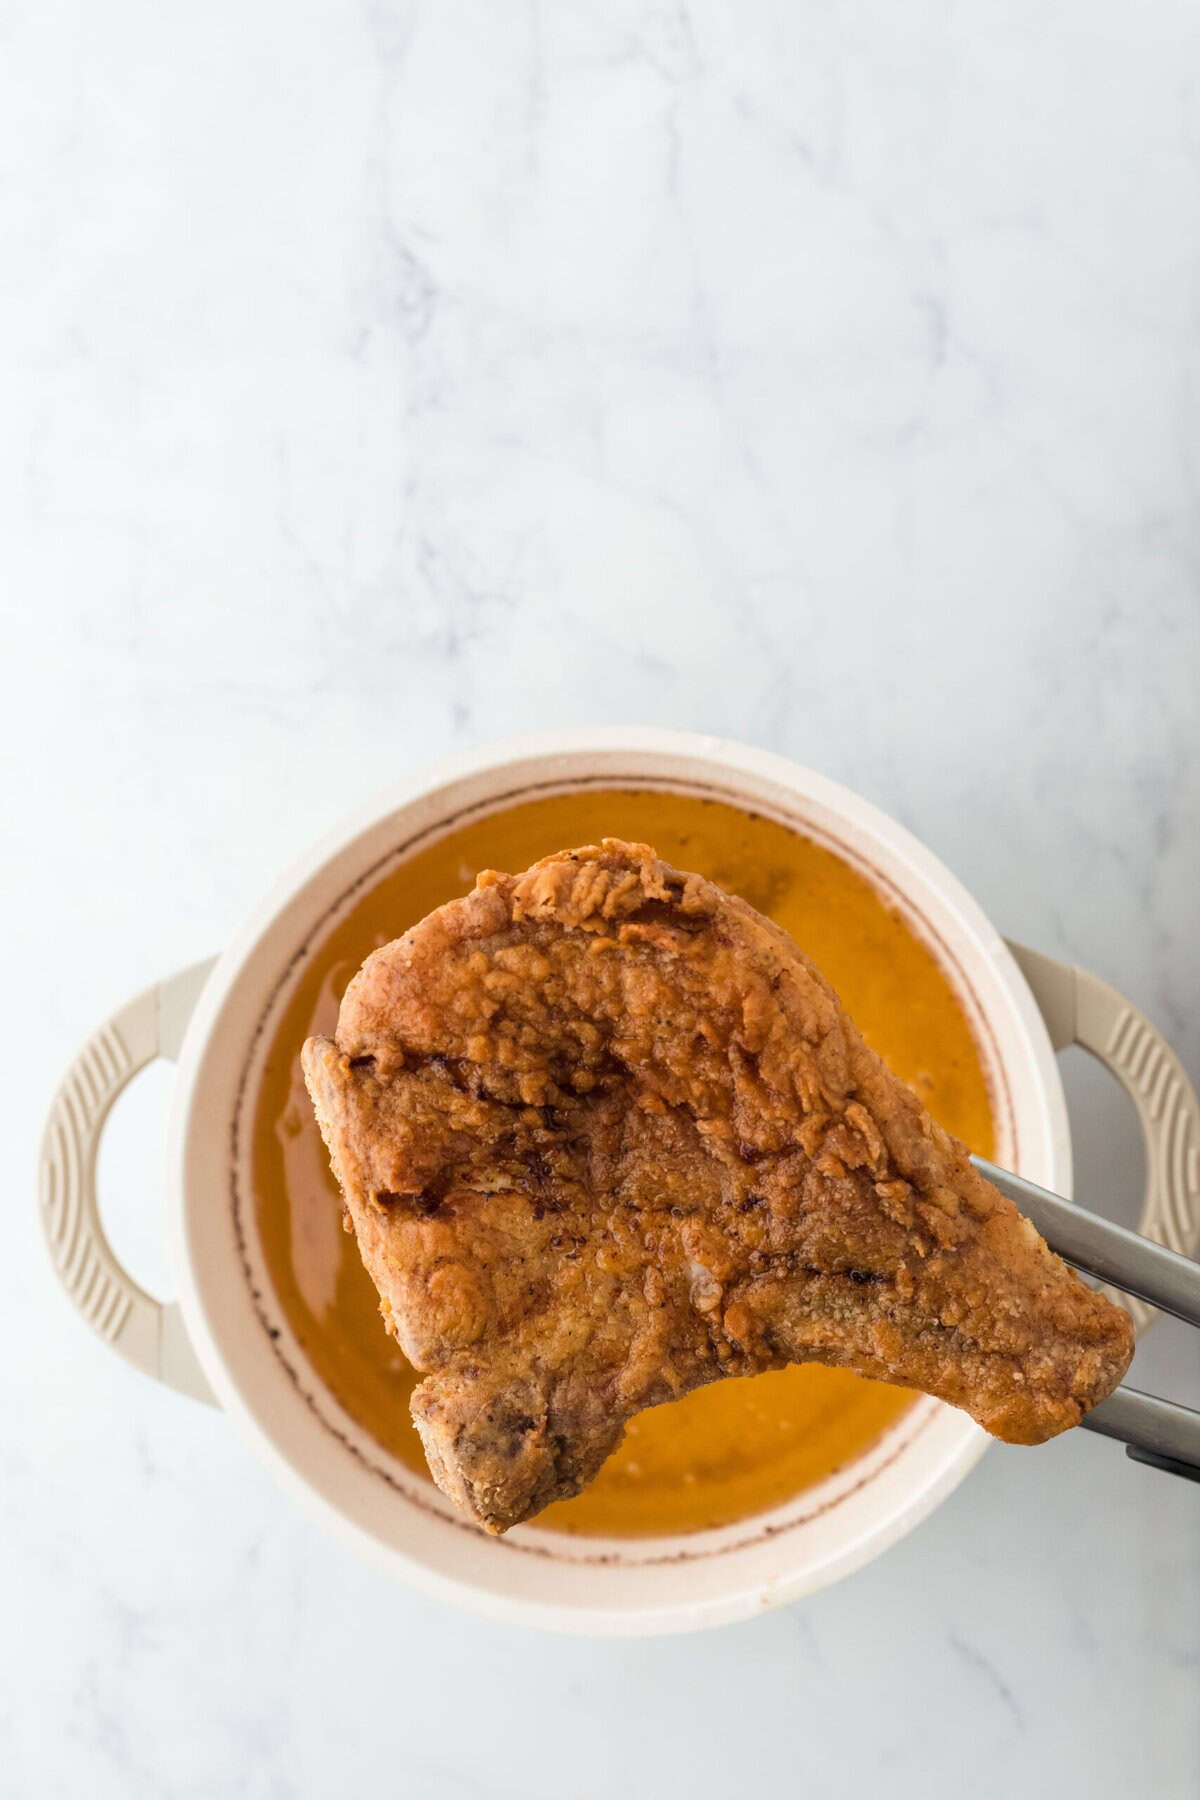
(149, 1333)
(1081, 1009)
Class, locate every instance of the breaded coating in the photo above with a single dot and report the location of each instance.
(604, 1133)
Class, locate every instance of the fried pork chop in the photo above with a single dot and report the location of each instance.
(604, 1134)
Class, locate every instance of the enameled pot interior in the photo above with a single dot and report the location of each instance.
(261, 1373)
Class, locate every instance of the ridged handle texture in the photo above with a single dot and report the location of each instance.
(147, 1332)
(1081, 1009)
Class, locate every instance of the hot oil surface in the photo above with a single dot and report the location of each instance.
(726, 1451)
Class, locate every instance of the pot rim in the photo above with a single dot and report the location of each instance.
(1049, 1162)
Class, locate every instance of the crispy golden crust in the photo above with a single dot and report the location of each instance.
(605, 1134)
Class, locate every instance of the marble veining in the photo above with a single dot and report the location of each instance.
(379, 378)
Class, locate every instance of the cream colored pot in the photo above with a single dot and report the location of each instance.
(216, 1342)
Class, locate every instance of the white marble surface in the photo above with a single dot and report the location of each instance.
(381, 378)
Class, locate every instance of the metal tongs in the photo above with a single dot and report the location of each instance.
(1154, 1431)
